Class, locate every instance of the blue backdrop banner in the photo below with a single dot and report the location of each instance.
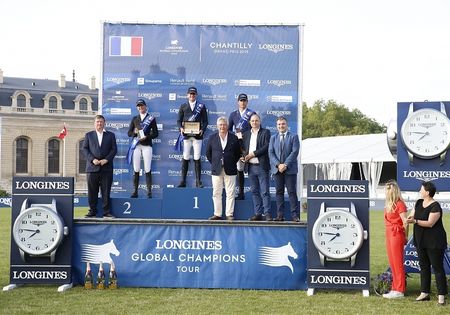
(158, 63)
(194, 256)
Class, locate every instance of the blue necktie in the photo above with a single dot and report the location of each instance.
(282, 148)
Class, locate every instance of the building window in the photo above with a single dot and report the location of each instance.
(21, 100)
(83, 104)
(81, 158)
(22, 156)
(53, 156)
(53, 103)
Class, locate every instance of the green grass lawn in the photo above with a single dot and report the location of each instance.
(31, 299)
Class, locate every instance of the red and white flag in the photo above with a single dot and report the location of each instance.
(63, 132)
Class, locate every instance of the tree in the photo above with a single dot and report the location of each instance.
(326, 119)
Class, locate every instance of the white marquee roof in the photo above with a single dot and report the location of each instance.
(359, 148)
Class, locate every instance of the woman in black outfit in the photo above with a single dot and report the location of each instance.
(430, 240)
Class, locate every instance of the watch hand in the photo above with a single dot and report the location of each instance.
(426, 134)
(37, 231)
(29, 230)
(330, 233)
(337, 234)
(420, 133)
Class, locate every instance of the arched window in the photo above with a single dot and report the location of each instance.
(83, 104)
(53, 102)
(22, 156)
(21, 100)
(81, 158)
(53, 156)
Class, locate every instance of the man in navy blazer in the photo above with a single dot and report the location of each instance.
(283, 151)
(239, 122)
(99, 148)
(257, 165)
(223, 151)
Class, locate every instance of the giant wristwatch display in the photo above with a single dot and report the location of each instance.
(426, 133)
(38, 230)
(338, 234)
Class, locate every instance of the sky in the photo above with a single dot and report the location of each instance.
(366, 55)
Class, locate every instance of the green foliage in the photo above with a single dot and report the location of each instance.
(326, 119)
(3, 193)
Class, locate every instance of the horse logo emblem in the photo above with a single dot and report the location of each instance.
(99, 254)
(277, 256)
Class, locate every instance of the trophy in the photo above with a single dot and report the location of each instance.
(139, 133)
(112, 280)
(191, 128)
(88, 280)
(101, 280)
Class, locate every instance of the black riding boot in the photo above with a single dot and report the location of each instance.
(240, 176)
(184, 170)
(148, 179)
(198, 173)
(135, 185)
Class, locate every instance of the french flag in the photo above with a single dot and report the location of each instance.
(126, 46)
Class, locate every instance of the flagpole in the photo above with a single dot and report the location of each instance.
(64, 157)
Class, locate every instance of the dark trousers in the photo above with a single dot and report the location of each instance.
(290, 182)
(432, 257)
(259, 186)
(99, 181)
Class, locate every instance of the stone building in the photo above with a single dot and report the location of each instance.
(32, 114)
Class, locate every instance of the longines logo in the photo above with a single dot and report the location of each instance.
(174, 110)
(338, 279)
(41, 185)
(119, 171)
(278, 113)
(189, 244)
(177, 157)
(426, 175)
(279, 83)
(338, 188)
(41, 275)
(117, 126)
(276, 48)
(150, 96)
(214, 81)
(118, 80)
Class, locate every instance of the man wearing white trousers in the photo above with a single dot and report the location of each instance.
(223, 151)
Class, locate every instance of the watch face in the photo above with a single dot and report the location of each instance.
(426, 133)
(38, 230)
(337, 234)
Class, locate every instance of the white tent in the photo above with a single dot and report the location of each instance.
(332, 157)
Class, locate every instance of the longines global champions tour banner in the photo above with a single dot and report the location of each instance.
(158, 63)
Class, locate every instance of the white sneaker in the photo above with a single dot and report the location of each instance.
(393, 295)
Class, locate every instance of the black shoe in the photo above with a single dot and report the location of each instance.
(230, 218)
(90, 215)
(215, 217)
(268, 217)
(240, 197)
(182, 184)
(256, 217)
(108, 216)
(199, 185)
(279, 218)
(134, 195)
(296, 219)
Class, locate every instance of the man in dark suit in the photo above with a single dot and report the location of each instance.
(239, 122)
(257, 165)
(99, 148)
(283, 151)
(192, 111)
(223, 151)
